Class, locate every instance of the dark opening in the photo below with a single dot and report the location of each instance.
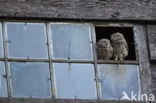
(106, 32)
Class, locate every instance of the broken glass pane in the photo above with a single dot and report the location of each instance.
(71, 41)
(118, 79)
(3, 83)
(27, 40)
(1, 42)
(75, 81)
(30, 80)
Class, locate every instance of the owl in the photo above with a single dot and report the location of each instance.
(104, 49)
(120, 47)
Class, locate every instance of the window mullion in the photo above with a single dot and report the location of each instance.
(95, 62)
(4, 33)
(49, 46)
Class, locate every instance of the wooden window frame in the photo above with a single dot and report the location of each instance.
(137, 30)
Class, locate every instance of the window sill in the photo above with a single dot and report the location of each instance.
(118, 62)
(39, 100)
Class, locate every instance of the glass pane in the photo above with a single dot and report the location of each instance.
(116, 79)
(75, 81)
(3, 84)
(69, 41)
(27, 40)
(1, 42)
(30, 80)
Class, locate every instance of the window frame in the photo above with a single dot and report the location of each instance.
(50, 60)
(26, 24)
(130, 25)
(129, 62)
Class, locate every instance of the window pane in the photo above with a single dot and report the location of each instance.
(118, 78)
(1, 42)
(27, 40)
(75, 80)
(69, 41)
(30, 79)
(3, 84)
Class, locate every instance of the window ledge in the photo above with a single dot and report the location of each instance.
(39, 100)
(118, 62)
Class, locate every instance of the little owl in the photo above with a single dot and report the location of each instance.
(104, 49)
(120, 47)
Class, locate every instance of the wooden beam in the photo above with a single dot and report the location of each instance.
(80, 9)
(151, 31)
(37, 100)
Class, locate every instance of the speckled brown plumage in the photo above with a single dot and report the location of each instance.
(120, 47)
(104, 49)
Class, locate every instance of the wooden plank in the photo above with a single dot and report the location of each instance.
(117, 62)
(152, 40)
(152, 51)
(80, 9)
(144, 64)
(5, 100)
(37, 100)
(152, 34)
(153, 67)
(154, 75)
(151, 29)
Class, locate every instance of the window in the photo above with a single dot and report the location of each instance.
(116, 79)
(106, 32)
(27, 40)
(30, 79)
(69, 40)
(59, 60)
(75, 80)
(3, 83)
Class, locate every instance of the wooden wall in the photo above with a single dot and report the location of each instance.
(153, 68)
(129, 10)
(80, 9)
(151, 30)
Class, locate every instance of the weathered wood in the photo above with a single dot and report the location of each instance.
(152, 34)
(142, 46)
(152, 51)
(26, 100)
(47, 60)
(154, 75)
(80, 9)
(117, 62)
(153, 70)
(152, 40)
(151, 31)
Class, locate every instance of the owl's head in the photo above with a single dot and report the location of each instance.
(104, 42)
(117, 37)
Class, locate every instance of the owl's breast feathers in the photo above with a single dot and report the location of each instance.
(120, 45)
(104, 53)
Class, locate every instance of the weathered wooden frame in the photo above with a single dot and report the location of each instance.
(142, 58)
